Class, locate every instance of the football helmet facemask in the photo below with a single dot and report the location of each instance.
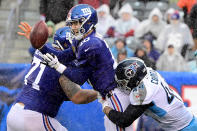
(130, 72)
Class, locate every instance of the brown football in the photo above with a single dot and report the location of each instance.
(39, 34)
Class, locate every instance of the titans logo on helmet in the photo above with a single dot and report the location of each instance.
(132, 69)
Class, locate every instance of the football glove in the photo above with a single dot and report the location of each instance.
(53, 62)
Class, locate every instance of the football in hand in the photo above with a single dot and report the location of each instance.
(39, 34)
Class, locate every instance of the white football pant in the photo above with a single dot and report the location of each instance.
(20, 119)
(119, 102)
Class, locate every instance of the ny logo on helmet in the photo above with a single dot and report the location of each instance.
(86, 11)
(131, 70)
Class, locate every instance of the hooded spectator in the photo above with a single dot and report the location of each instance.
(105, 20)
(177, 31)
(126, 24)
(51, 29)
(153, 24)
(167, 16)
(171, 60)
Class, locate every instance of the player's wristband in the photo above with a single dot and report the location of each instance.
(61, 68)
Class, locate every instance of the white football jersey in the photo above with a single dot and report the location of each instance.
(168, 108)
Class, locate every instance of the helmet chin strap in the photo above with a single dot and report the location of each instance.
(81, 35)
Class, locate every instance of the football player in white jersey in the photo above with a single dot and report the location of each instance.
(150, 94)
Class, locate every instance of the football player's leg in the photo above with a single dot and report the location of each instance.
(20, 119)
(51, 124)
(15, 119)
(118, 101)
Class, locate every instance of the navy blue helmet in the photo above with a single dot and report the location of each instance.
(62, 38)
(130, 72)
(84, 14)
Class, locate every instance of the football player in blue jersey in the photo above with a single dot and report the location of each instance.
(92, 58)
(151, 95)
(41, 97)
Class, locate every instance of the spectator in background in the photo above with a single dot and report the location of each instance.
(171, 60)
(192, 22)
(186, 5)
(167, 16)
(151, 51)
(141, 53)
(105, 20)
(126, 24)
(115, 6)
(120, 44)
(55, 10)
(189, 53)
(153, 24)
(177, 31)
(122, 54)
(94, 3)
(51, 29)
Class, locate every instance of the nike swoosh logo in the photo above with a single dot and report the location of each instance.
(86, 49)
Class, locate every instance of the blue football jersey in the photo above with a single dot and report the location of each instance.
(42, 91)
(93, 62)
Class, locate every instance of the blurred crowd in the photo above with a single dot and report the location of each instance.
(165, 39)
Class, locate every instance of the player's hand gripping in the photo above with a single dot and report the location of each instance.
(24, 26)
(103, 102)
(53, 62)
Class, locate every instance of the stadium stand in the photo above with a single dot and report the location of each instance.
(13, 48)
(161, 5)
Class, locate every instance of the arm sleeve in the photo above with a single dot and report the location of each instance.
(126, 118)
(63, 56)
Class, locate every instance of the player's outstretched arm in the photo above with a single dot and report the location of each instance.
(75, 93)
(26, 28)
(126, 118)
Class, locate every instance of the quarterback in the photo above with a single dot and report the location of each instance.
(93, 61)
(42, 94)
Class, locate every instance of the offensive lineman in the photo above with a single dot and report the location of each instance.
(149, 94)
(42, 95)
